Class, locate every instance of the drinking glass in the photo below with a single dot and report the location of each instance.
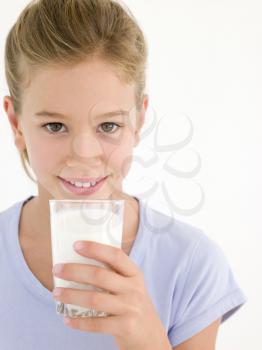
(73, 220)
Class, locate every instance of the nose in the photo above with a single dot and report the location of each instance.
(85, 145)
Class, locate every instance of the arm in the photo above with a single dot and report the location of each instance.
(204, 340)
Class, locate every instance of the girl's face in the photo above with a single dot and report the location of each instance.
(81, 141)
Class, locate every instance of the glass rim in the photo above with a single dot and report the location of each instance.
(87, 200)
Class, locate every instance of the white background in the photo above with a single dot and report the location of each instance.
(205, 60)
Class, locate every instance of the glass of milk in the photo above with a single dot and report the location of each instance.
(78, 220)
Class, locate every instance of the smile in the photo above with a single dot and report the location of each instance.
(82, 190)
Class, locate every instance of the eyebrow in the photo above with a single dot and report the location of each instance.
(107, 114)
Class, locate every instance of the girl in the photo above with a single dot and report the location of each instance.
(76, 75)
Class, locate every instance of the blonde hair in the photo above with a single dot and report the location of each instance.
(67, 32)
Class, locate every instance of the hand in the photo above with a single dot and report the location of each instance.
(133, 320)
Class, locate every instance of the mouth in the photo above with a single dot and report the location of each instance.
(82, 191)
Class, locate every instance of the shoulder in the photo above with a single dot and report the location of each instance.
(173, 236)
(5, 217)
(8, 215)
(196, 279)
(183, 248)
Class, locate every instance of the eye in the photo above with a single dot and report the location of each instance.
(53, 129)
(110, 129)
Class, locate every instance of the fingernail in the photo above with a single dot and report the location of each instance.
(57, 268)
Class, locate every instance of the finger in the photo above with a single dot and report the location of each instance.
(100, 301)
(94, 275)
(108, 325)
(115, 257)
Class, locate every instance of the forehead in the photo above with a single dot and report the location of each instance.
(89, 85)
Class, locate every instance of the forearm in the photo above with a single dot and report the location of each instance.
(156, 343)
(164, 346)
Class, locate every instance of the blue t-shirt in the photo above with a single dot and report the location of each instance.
(186, 274)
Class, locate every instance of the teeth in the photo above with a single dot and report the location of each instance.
(83, 184)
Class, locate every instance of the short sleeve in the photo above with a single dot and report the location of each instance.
(210, 291)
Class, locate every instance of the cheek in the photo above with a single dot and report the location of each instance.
(46, 156)
(119, 158)
(43, 156)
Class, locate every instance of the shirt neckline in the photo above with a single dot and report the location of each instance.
(23, 272)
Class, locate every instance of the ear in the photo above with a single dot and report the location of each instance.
(14, 122)
(141, 119)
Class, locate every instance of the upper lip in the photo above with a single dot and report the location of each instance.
(83, 179)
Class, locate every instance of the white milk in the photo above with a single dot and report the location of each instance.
(73, 221)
